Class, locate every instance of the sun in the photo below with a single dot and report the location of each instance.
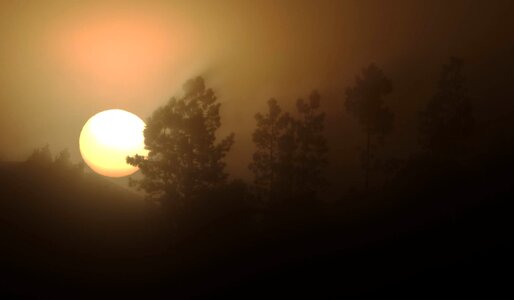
(108, 138)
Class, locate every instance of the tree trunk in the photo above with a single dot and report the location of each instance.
(366, 170)
(272, 165)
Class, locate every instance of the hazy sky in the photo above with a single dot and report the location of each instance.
(63, 61)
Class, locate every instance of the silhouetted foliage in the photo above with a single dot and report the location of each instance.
(312, 147)
(63, 158)
(41, 157)
(274, 140)
(365, 101)
(447, 121)
(184, 162)
(433, 207)
(291, 152)
(437, 223)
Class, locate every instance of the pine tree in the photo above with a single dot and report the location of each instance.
(184, 161)
(447, 121)
(365, 101)
(291, 152)
(271, 137)
(311, 147)
(40, 157)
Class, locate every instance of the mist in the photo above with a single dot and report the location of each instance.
(308, 184)
(247, 52)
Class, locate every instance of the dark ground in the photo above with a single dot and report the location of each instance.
(438, 227)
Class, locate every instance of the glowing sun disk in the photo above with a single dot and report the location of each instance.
(108, 138)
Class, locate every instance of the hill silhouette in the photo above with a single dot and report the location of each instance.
(60, 224)
(437, 220)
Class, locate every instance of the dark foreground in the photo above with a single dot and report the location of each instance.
(436, 228)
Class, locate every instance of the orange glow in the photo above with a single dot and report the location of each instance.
(129, 49)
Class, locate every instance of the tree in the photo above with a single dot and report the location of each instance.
(63, 164)
(271, 137)
(291, 152)
(365, 101)
(40, 157)
(312, 147)
(447, 120)
(63, 159)
(184, 161)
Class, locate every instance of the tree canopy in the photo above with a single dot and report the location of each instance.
(365, 101)
(291, 150)
(270, 138)
(447, 120)
(185, 161)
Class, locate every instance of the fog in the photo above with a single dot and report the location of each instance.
(392, 172)
(63, 61)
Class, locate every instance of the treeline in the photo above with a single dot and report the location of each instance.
(184, 170)
(444, 204)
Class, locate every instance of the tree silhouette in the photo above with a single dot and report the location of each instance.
(40, 157)
(365, 102)
(63, 159)
(312, 147)
(41, 160)
(273, 139)
(291, 152)
(184, 161)
(447, 119)
(63, 164)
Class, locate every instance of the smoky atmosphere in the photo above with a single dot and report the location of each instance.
(191, 149)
